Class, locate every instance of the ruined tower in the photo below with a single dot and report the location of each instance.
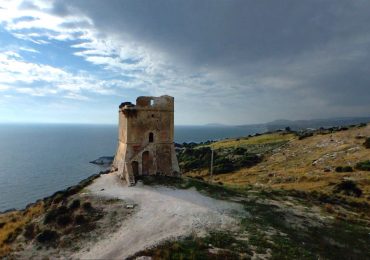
(145, 139)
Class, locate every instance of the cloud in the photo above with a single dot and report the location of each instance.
(28, 50)
(76, 96)
(44, 80)
(13, 69)
(313, 50)
(4, 87)
(260, 59)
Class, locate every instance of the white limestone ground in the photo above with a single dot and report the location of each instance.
(162, 213)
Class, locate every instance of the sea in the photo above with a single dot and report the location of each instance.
(37, 160)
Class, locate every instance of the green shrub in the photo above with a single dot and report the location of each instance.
(29, 231)
(87, 206)
(304, 135)
(239, 151)
(59, 196)
(367, 143)
(52, 215)
(249, 160)
(225, 160)
(349, 188)
(47, 236)
(75, 204)
(344, 169)
(362, 125)
(197, 158)
(64, 220)
(80, 220)
(363, 166)
(347, 169)
(223, 165)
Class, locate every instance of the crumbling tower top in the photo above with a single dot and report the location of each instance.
(162, 103)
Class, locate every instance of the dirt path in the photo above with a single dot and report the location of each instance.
(162, 213)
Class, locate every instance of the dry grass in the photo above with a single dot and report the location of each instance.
(244, 142)
(307, 164)
(14, 223)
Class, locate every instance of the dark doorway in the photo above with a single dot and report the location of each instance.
(151, 137)
(146, 163)
(135, 168)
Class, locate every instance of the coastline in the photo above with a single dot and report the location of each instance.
(138, 217)
(71, 190)
(159, 207)
(13, 222)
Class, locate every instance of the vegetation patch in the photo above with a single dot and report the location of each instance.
(216, 245)
(344, 169)
(304, 135)
(363, 166)
(213, 190)
(258, 139)
(367, 143)
(47, 236)
(67, 225)
(13, 223)
(266, 231)
(30, 231)
(56, 217)
(75, 204)
(194, 158)
(225, 160)
(349, 188)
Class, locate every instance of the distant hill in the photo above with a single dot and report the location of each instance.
(216, 125)
(313, 123)
(316, 123)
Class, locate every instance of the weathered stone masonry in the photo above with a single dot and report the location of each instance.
(145, 139)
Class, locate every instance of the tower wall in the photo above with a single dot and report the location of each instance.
(146, 138)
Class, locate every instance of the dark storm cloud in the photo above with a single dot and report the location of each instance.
(287, 49)
(222, 32)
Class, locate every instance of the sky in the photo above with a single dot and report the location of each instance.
(225, 61)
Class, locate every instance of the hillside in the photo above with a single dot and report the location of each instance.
(280, 195)
(317, 164)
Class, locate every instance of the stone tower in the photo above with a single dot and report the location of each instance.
(145, 139)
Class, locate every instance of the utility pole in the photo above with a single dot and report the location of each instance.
(211, 179)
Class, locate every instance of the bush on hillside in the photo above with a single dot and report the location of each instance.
(51, 215)
(239, 151)
(225, 160)
(349, 188)
(80, 220)
(249, 160)
(87, 206)
(367, 143)
(344, 169)
(75, 204)
(64, 220)
(363, 166)
(47, 236)
(197, 158)
(223, 165)
(29, 231)
(304, 135)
